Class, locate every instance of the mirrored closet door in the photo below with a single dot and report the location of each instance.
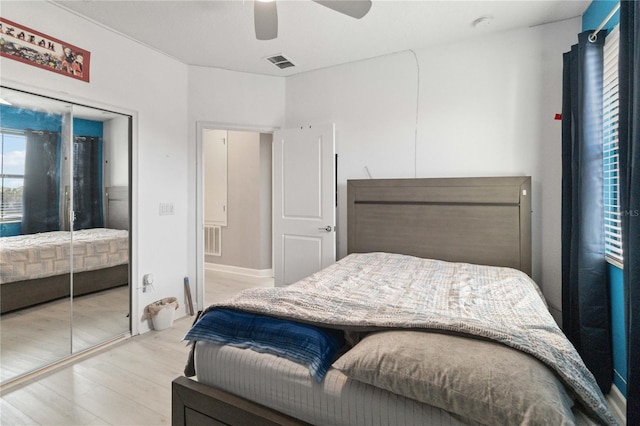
(64, 222)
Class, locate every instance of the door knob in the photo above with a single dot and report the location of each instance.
(327, 228)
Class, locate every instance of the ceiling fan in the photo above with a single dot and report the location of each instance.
(265, 14)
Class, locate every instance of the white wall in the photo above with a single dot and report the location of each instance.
(242, 236)
(484, 107)
(373, 104)
(126, 77)
(225, 100)
(266, 205)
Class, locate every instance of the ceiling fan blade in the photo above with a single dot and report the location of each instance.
(354, 8)
(265, 19)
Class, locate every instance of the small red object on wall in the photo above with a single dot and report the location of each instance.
(558, 116)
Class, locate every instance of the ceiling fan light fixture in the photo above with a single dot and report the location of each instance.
(265, 14)
(265, 20)
(354, 8)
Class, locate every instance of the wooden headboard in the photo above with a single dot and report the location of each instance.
(473, 220)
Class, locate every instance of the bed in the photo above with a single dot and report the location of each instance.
(36, 268)
(484, 322)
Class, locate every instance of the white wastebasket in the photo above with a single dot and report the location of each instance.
(164, 318)
(162, 312)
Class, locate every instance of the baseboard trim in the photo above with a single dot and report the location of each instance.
(255, 273)
(618, 404)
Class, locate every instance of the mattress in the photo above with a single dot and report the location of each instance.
(288, 388)
(26, 257)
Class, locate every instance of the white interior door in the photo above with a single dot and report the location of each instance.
(304, 202)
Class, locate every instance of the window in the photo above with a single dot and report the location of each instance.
(612, 214)
(12, 175)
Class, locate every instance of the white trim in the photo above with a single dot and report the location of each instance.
(255, 273)
(199, 187)
(618, 404)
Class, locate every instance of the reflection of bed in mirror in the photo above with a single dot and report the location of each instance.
(36, 268)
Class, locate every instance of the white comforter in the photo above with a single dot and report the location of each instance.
(33, 256)
(375, 290)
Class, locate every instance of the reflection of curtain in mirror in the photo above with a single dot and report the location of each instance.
(40, 193)
(87, 183)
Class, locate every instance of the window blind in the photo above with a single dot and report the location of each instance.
(612, 213)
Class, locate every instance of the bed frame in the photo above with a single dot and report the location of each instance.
(475, 220)
(21, 294)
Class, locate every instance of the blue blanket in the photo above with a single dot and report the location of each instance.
(311, 346)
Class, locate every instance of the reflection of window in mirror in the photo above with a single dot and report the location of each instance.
(12, 180)
(95, 167)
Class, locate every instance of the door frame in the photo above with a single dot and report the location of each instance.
(200, 126)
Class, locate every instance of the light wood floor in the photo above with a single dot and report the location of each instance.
(127, 384)
(33, 337)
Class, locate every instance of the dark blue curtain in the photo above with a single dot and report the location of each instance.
(87, 183)
(41, 193)
(629, 150)
(585, 294)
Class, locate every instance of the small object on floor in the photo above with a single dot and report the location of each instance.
(187, 289)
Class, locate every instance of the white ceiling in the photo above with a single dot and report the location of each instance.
(220, 33)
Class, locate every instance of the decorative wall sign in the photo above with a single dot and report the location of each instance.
(34, 48)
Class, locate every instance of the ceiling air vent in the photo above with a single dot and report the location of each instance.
(280, 61)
